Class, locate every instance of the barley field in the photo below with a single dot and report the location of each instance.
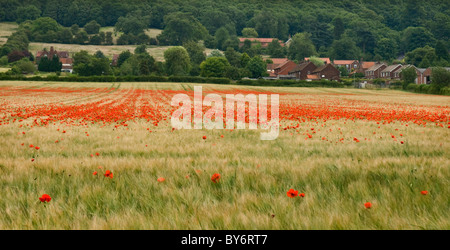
(107, 157)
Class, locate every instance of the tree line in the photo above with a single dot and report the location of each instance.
(346, 29)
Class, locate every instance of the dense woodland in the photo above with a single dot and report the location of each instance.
(416, 32)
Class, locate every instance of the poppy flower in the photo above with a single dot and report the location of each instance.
(292, 193)
(161, 179)
(95, 173)
(302, 195)
(108, 174)
(204, 137)
(368, 205)
(215, 178)
(424, 192)
(31, 146)
(97, 154)
(45, 198)
(37, 148)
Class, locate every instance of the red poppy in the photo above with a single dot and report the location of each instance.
(37, 148)
(204, 137)
(161, 179)
(97, 154)
(31, 146)
(45, 198)
(95, 173)
(302, 195)
(424, 192)
(292, 193)
(368, 205)
(215, 178)
(108, 174)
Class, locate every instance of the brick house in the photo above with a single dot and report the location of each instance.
(325, 72)
(302, 70)
(264, 41)
(423, 75)
(115, 60)
(67, 64)
(350, 65)
(275, 63)
(375, 71)
(50, 54)
(282, 70)
(363, 66)
(63, 56)
(391, 72)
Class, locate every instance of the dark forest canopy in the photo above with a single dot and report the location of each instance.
(371, 27)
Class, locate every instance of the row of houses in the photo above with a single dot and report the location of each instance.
(283, 68)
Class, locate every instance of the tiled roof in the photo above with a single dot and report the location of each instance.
(343, 62)
(367, 65)
(300, 67)
(392, 68)
(375, 67)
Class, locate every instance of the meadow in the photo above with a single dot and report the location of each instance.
(341, 149)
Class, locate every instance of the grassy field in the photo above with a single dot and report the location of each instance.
(342, 148)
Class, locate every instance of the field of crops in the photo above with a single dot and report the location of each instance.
(107, 157)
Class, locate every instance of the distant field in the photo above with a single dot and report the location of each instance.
(6, 29)
(4, 69)
(342, 148)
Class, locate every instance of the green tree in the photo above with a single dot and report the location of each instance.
(141, 49)
(196, 52)
(386, 48)
(338, 28)
(416, 37)
(25, 66)
(123, 56)
(99, 54)
(249, 32)
(408, 76)
(28, 12)
(257, 67)
(233, 57)
(344, 49)
(275, 49)
(81, 37)
(95, 40)
(181, 28)
(417, 56)
(65, 35)
(301, 46)
(81, 57)
(220, 37)
(441, 51)
(214, 67)
(177, 61)
(92, 27)
(440, 77)
(130, 25)
(108, 38)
